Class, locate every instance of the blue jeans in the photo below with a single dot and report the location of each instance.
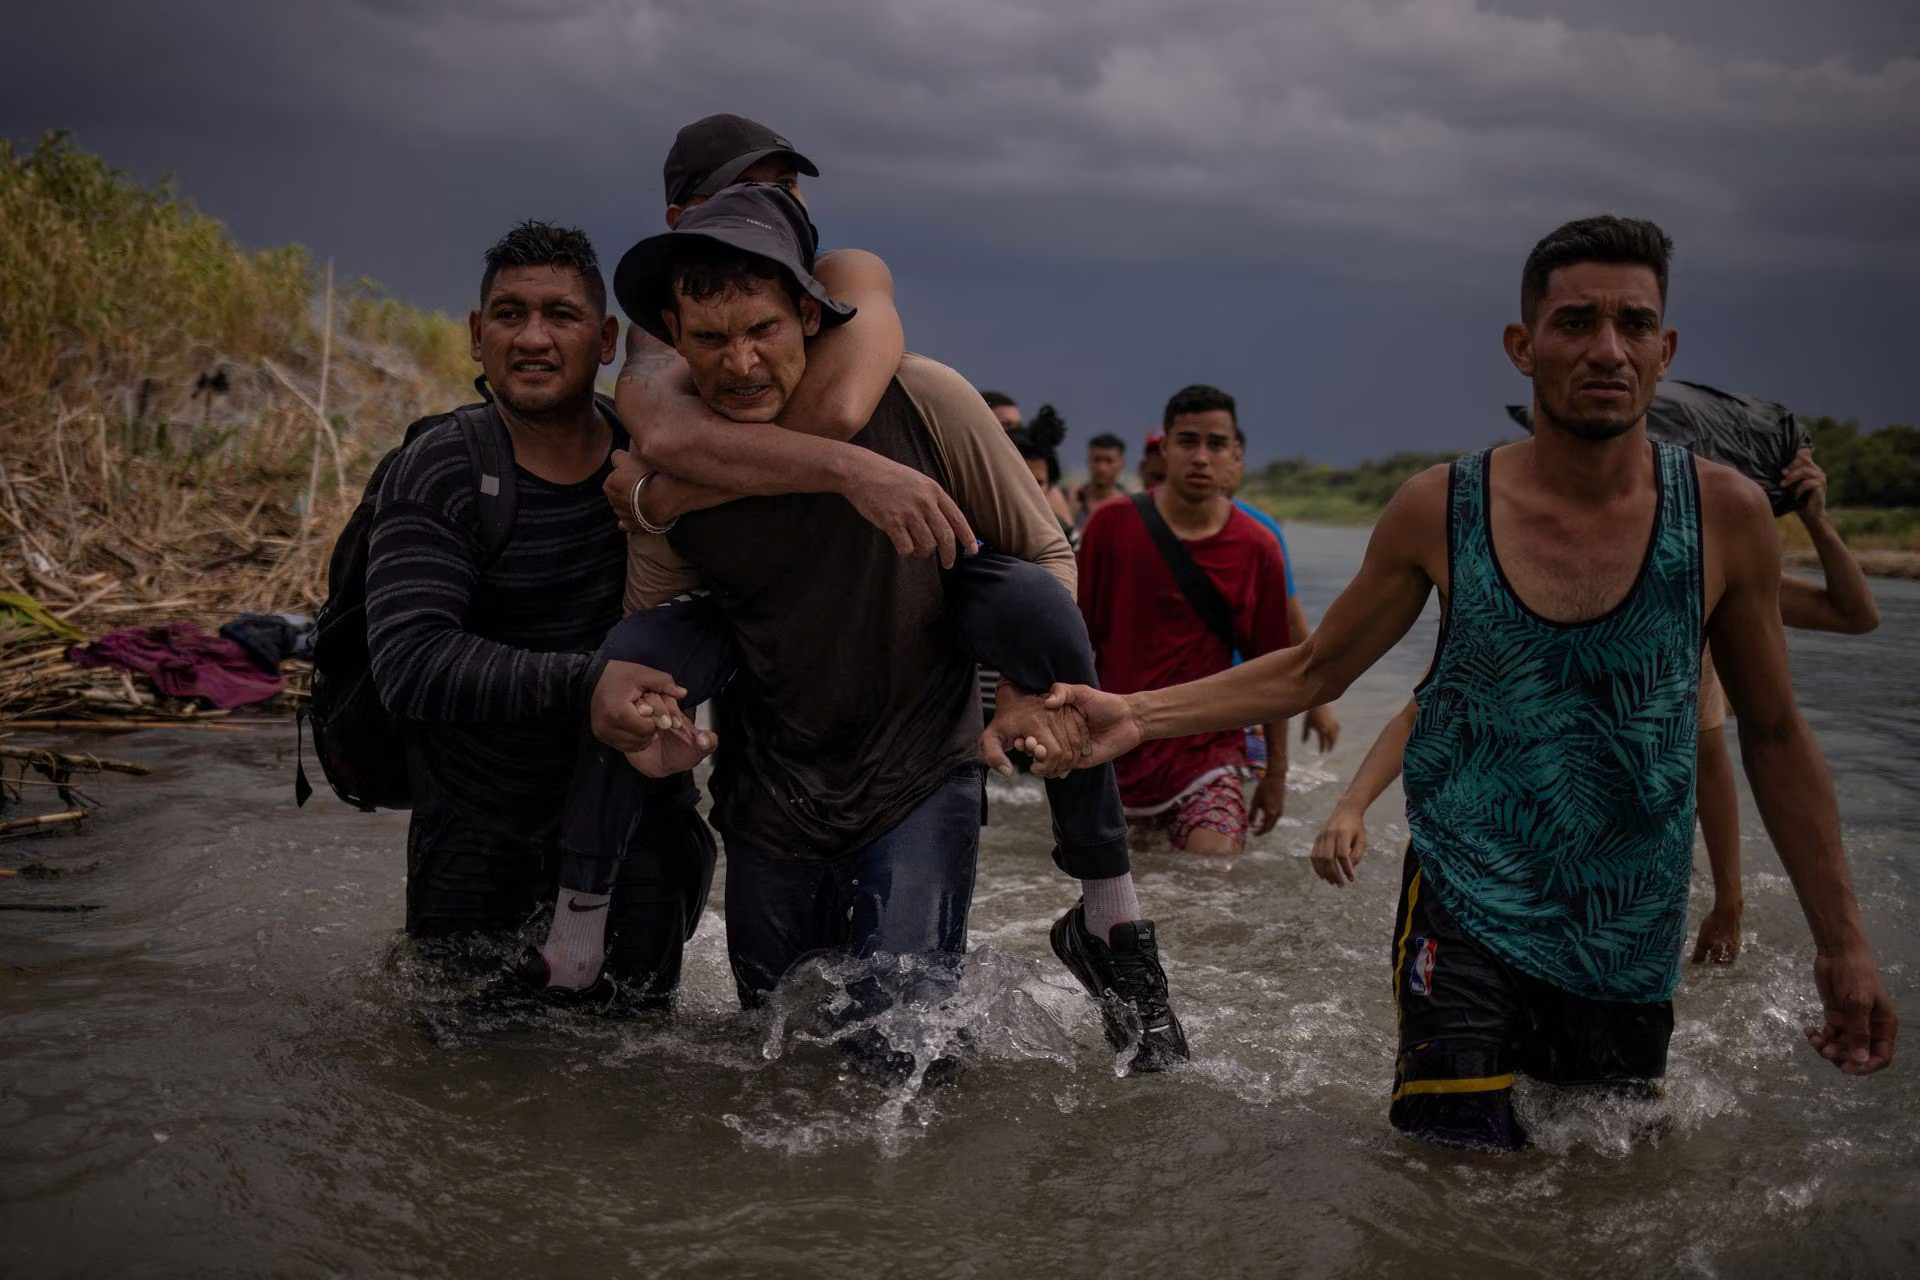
(907, 893)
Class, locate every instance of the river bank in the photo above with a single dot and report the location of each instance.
(1875, 562)
(184, 423)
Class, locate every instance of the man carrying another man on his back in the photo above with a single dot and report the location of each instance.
(845, 785)
(1001, 605)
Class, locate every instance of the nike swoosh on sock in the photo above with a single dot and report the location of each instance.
(574, 905)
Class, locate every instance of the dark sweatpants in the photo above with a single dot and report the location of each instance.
(477, 872)
(1010, 614)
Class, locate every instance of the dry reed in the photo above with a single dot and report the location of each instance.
(161, 426)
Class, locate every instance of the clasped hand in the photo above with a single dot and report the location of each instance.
(1055, 736)
(1075, 725)
(636, 711)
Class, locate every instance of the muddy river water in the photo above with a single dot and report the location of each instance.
(232, 1068)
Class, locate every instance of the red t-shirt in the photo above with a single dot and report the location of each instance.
(1147, 636)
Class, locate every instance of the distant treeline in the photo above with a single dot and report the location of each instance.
(1867, 468)
(1365, 484)
(1864, 469)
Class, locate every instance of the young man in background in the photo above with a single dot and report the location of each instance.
(1106, 459)
(1148, 629)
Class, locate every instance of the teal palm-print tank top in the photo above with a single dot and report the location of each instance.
(1550, 774)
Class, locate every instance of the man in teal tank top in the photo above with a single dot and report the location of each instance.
(1550, 773)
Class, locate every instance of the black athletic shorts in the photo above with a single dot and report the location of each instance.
(1469, 1021)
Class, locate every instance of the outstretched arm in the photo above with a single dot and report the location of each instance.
(1341, 844)
(1405, 559)
(1320, 721)
(1788, 777)
(1846, 602)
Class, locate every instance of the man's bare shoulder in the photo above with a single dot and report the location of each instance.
(1725, 494)
(853, 259)
(1412, 532)
(1736, 526)
(1422, 499)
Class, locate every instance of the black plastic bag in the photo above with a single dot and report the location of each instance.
(1757, 438)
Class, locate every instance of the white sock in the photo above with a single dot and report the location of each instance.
(1108, 903)
(577, 939)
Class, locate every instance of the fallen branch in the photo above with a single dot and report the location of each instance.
(39, 821)
(85, 761)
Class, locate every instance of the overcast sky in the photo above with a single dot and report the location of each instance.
(1320, 205)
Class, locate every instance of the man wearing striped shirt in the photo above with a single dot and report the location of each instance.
(490, 661)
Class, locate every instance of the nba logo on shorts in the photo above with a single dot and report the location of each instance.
(1420, 969)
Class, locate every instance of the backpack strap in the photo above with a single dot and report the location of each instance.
(490, 449)
(621, 438)
(1193, 581)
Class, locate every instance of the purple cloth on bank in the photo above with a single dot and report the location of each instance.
(183, 662)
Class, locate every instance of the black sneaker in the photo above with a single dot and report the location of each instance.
(1126, 980)
(534, 971)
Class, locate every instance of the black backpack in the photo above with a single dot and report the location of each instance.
(359, 743)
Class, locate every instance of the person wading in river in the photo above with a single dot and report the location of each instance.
(608, 809)
(1551, 766)
(1175, 582)
(881, 831)
(490, 661)
(1007, 611)
(1844, 604)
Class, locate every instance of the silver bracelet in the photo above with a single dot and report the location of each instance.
(639, 517)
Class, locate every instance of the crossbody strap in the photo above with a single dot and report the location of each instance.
(1193, 581)
(491, 450)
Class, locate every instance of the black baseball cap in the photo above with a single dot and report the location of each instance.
(712, 153)
(759, 218)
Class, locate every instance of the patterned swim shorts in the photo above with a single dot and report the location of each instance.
(1219, 805)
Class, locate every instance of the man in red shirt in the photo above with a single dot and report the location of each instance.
(1149, 630)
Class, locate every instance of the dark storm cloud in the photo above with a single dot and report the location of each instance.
(1241, 156)
(1089, 129)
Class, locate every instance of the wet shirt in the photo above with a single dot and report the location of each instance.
(1550, 775)
(854, 700)
(493, 663)
(1146, 635)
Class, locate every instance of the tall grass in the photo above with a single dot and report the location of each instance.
(1863, 528)
(157, 380)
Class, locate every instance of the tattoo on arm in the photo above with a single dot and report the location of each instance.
(649, 360)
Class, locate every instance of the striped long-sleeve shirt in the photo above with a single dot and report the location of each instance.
(495, 662)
